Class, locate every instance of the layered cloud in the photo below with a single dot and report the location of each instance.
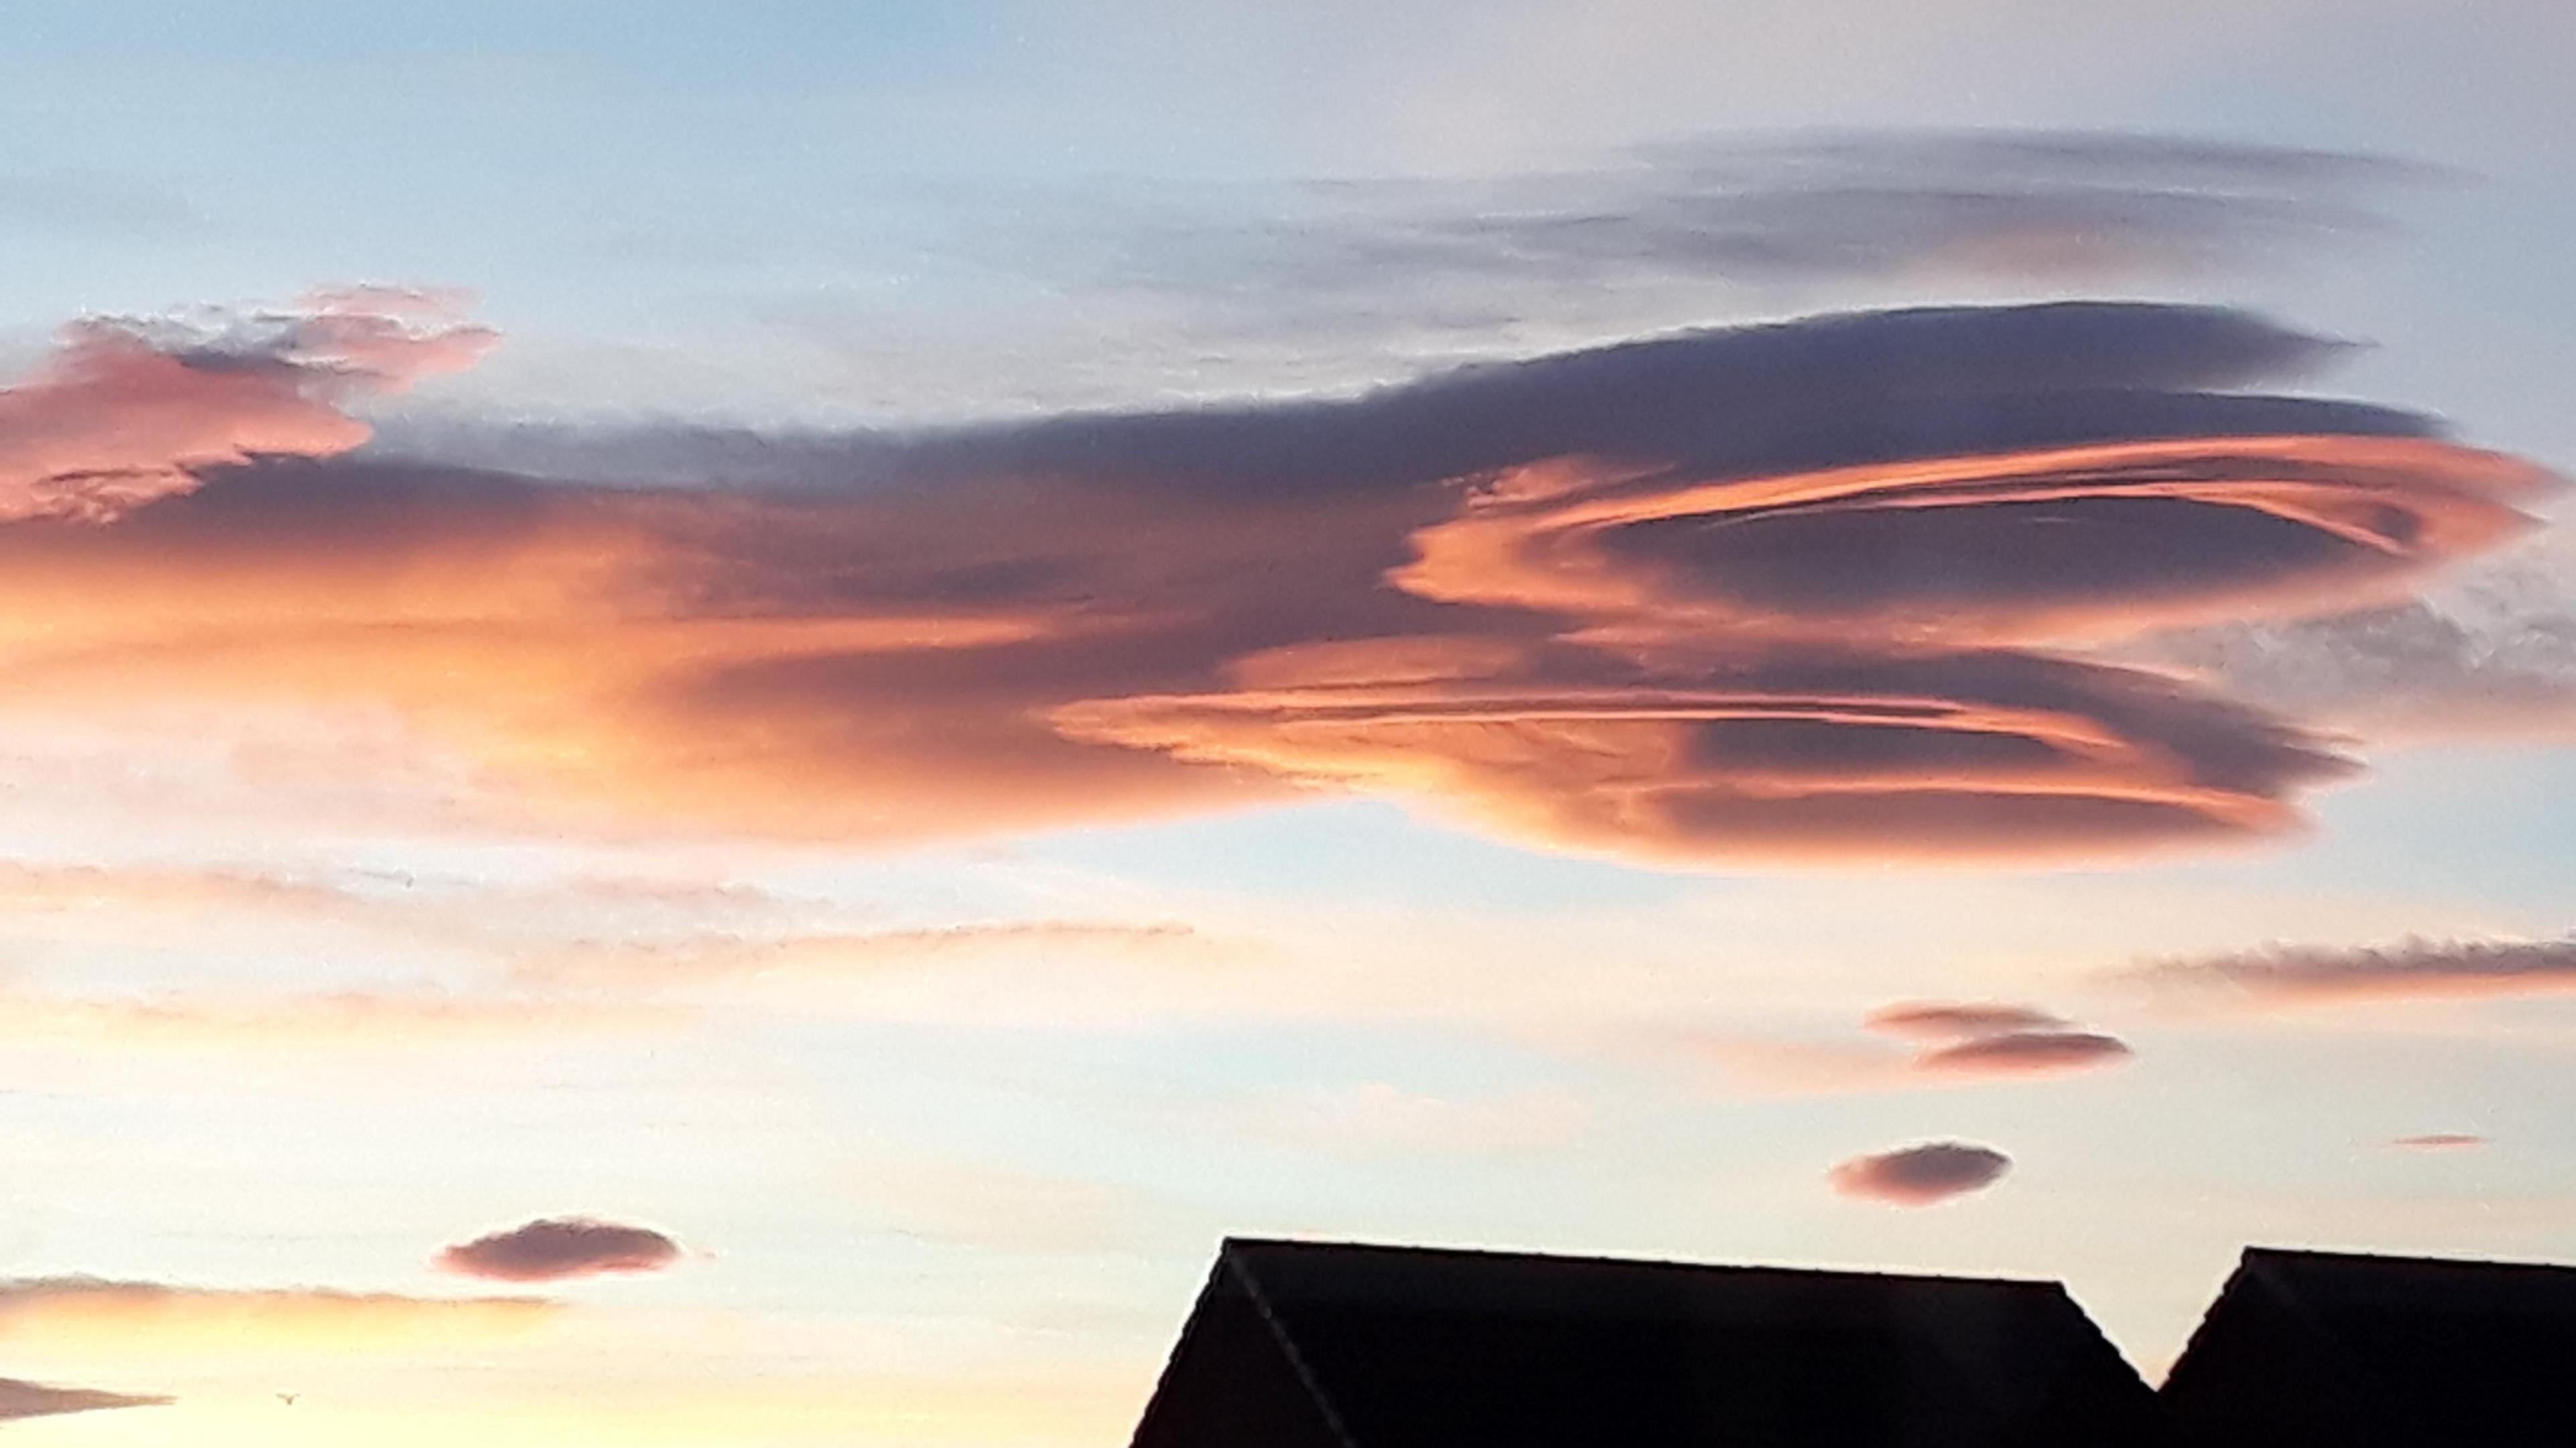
(1919, 1176)
(2412, 969)
(1827, 588)
(1672, 226)
(1956, 1043)
(20, 1399)
(552, 1249)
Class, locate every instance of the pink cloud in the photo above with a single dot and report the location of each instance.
(131, 409)
(2025, 1053)
(1949, 1020)
(1919, 1176)
(2440, 1141)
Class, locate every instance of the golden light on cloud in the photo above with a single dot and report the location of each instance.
(2050, 544)
(1812, 590)
(105, 1319)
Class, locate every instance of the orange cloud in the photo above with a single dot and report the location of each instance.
(1926, 756)
(1919, 1176)
(1811, 590)
(2050, 544)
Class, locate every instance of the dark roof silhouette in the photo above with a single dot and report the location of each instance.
(1301, 1345)
(2373, 1352)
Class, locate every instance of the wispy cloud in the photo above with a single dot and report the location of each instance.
(2440, 1141)
(2303, 974)
(1920, 1176)
(1683, 226)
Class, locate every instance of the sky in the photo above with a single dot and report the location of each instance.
(721, 723)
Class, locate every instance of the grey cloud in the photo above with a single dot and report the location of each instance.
(1745, 211)
(2291, 974)
(2419, 668)
(1919, 1176)
(553, 1248)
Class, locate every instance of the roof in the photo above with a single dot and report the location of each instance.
(1310, 1345)
(2369, 1350)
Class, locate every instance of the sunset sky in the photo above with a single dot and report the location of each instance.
(719, 723)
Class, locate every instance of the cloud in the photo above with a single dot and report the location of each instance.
(1942, 1020)
(2497, 666)
(1963, 1043)
(2025, 1053)
(1708, 216)
(2440, 1141)
(1919, 1176)
(554, 1248)
(20, 1399)
(2303, 974)
(130, 409)
(131, 1317)
(1830, 588)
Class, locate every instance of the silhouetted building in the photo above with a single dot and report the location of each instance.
(2375, 1352)
(1296, 1345)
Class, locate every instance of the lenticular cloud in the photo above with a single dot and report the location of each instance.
(1920, 1176)
(1843, 587)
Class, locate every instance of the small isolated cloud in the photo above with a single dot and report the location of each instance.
(20, 1399)
(2440, 1141)
(554, 1248)
(2024, 1053)
(1951, 1020)
(129, 409)
(1919, 1176)
(2303, 974)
